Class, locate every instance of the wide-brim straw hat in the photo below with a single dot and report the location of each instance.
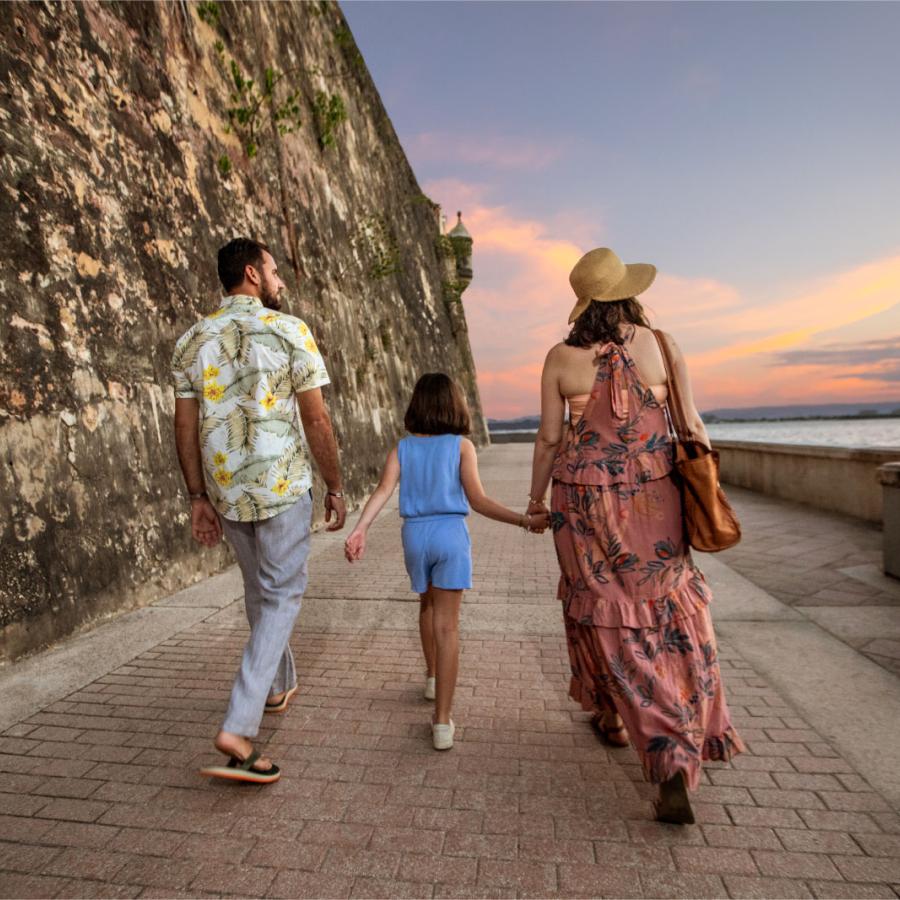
(600, 275)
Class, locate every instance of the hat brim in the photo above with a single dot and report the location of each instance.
(638, 277)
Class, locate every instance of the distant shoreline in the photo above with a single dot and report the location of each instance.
(525, 425)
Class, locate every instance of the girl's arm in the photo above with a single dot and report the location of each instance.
(355, 545)
(480, 502)
(550, 433)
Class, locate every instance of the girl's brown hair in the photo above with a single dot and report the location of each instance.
(437, 406)
(599, 323)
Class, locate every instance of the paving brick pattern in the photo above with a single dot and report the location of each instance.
(101, 797)
(812, 560)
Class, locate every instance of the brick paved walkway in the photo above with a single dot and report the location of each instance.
(825, 565)
(101, 796)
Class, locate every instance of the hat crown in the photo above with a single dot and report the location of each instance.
(596, 272)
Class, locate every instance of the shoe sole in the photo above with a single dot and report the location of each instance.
(283, 705)
(233, 775)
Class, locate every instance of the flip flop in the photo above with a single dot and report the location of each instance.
(282, 704)
(242, 770)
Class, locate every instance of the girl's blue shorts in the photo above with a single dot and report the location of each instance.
(437, 551)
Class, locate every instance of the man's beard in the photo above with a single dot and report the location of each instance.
(269, 297)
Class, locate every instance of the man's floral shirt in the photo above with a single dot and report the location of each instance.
(244, 364)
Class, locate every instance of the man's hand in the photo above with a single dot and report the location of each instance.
(205, 525)
(355, 545)
(335, 506)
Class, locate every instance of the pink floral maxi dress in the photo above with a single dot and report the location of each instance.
(636, 608)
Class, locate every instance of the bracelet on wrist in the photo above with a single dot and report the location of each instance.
(200, 495)
(338, 494)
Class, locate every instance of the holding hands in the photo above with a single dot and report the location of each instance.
(539, 516)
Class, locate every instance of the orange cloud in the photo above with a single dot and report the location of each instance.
(520, 298)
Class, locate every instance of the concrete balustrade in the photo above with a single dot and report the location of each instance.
(840, 479)
(889, 476)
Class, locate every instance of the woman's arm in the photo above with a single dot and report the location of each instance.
(694, 423)
(550, 433)
(355, 545)
(479, 501)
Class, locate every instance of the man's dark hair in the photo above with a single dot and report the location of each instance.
(235, 256)
(437, 407)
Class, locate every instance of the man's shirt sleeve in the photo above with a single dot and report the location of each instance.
(307, 366)
(184, 388)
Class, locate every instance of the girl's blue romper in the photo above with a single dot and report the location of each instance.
(436, 545)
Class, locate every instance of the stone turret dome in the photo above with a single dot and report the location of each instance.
(459, 230)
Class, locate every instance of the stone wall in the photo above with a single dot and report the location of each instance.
(839, 479)
(123, 172)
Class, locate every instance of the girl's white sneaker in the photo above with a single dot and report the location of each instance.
(429, 688)
(442, 735)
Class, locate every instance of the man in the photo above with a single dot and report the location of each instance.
(241, 375)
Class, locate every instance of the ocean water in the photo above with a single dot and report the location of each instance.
(827, 432)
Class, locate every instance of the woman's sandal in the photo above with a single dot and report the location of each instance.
(242, 770)
(616, 736)
(674, 805)
(282, 704)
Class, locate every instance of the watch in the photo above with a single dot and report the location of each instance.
(199, 496)
(338, 494)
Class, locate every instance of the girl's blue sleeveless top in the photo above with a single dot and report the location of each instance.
(430, 486)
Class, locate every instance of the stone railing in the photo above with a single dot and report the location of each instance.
(835, 478)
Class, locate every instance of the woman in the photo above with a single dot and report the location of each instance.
(640, 637)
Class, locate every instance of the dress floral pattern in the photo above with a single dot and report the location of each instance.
(244, 363)
(635, 606)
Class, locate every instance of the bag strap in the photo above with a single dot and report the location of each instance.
(675, 401)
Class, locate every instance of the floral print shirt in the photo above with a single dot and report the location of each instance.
(244, 363)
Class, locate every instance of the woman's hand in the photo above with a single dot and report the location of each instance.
(355, 545)
(539, 522)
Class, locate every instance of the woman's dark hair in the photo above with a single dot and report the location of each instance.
(600, 322)
(437, 406)
(234, 258)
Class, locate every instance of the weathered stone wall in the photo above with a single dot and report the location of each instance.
(121, 177)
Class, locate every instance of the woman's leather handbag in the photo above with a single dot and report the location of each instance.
(710, 522)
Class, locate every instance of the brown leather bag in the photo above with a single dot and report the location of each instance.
(710, 522)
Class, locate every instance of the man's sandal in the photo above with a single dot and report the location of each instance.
(242, 770)
(616, 736)
(282, 704)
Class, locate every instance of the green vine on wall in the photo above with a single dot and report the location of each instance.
(208, 10)
(453, 290)
(252, 102)
(443, 246)
(329, 112)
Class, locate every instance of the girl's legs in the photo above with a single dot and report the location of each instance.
(446, 642)
(426, 629)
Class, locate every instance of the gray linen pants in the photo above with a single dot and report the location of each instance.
(272, 555)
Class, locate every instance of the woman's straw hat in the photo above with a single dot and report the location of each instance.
(601, 275)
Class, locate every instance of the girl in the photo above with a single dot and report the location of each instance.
(438, 473)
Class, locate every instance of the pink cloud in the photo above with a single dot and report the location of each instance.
(520, 298)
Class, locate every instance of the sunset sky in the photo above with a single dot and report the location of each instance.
(751, 151)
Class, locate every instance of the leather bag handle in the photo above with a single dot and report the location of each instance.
(675, 401)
